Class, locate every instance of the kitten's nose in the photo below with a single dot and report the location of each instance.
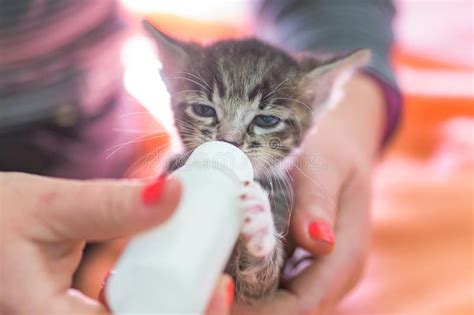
(233, 142)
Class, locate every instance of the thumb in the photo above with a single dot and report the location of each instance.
(313, 217)
(222, 298)
(105, 209)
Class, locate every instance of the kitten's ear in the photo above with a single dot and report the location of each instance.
(173, 53)
(323, 81)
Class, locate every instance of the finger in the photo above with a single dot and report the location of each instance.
(104, 209)
(222, 298)
(316, 196)
(324, 282)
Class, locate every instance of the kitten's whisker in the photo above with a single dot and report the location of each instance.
(132, 130)
(187, 91)
(273, 90)
(196, 76)
(184, 122)
(136, 164)
(289, 203)
(317, 184)
(154, 134)
(187, 130)
(132, 98)
(296, 101)
(134, 113)
(119, 147)
(186, 126)
(280, 177)
(191, 80)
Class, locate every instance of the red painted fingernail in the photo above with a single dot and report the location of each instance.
(321, 231)
(230, 292)
(152, 192)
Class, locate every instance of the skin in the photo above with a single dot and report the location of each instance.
(346, 143)
(45, 223)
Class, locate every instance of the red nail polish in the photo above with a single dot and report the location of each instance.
(230, 292)
(152, 192)
(321, 231)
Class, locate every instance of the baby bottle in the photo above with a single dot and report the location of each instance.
(173, 268)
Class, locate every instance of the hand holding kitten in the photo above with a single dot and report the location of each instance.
(337, 193)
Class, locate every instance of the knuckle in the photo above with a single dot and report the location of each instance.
(109, 197)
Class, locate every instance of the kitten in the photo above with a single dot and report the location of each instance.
(262, 100)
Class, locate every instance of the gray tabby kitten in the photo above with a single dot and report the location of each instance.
(262, 100)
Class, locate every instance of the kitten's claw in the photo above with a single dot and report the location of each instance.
(258, 229)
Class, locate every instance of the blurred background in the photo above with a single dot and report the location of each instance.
(421, 260)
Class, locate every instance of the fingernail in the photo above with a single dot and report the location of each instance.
(321, 231)
(230, 292)
(152, 192)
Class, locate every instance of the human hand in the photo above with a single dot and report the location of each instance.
(332, 193)
(222, 298)
(45, 223)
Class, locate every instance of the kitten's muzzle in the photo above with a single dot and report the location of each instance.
(233, 142)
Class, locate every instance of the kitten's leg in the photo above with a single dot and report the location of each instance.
(258, 256)
(258, 229)
(177, 161)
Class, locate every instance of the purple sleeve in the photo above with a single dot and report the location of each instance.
(393, 107)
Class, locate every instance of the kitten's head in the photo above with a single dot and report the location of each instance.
(247, 93)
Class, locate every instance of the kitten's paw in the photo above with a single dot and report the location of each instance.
(258, 229)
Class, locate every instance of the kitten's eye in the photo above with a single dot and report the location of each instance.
(266, 121)
(204, 110)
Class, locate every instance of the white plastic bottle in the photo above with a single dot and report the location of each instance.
(173, 268)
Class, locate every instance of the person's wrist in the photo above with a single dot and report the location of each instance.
(375, 115)
(358, 119)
